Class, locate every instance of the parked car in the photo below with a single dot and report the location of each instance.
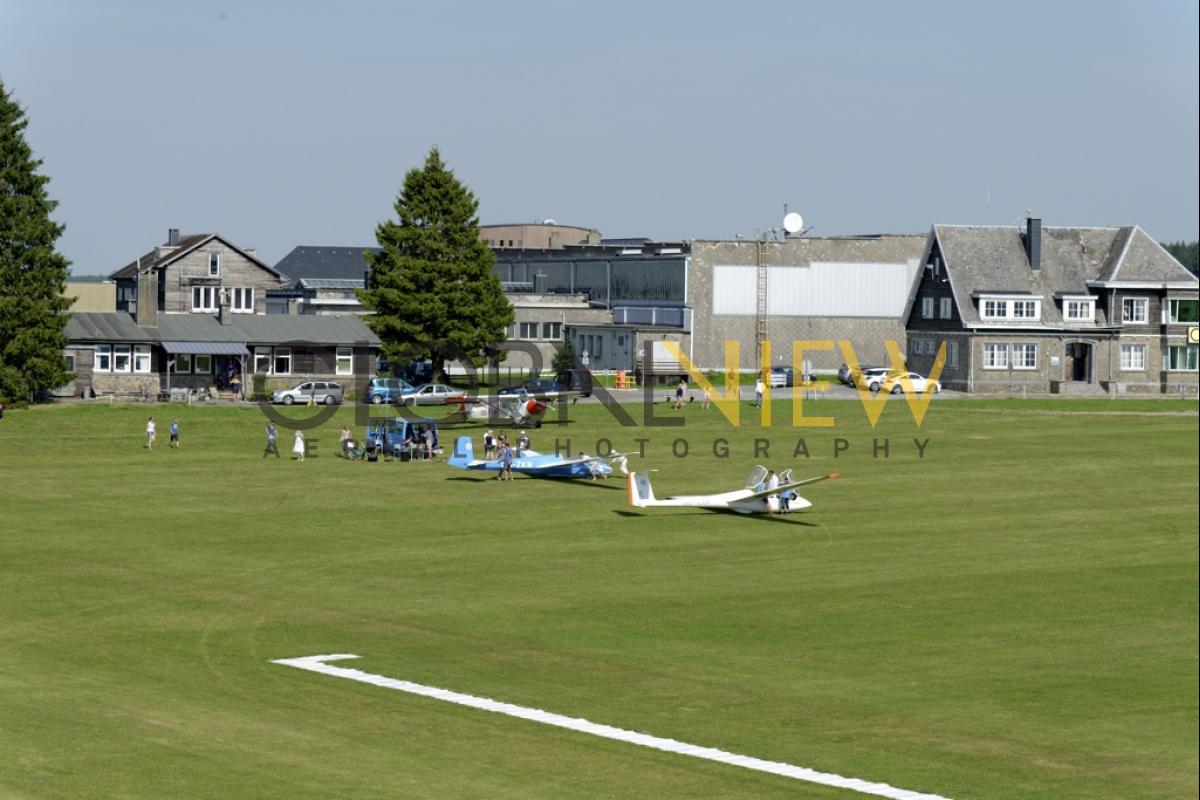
(432, 394)
(534, 386)
(871, 377)
(782, 376)
(387, 390)
(920, 383)
(575, 380)
(324, 392)
(402, 437)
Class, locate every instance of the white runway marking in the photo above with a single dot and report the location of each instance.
(319, 664)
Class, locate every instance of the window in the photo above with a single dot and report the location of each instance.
(345, 361)
(1024, 309)
(1079, 310)
(995, 309)
(202, 365)
(995, 356)
(243, 300)
(528, 330)
(552, 330)
(204, 298)
(183, 363)
(951, 354)
(926, 308)
(1133, 357)
(262, 360)
(1024, 356)
(69, 362)
(1183, 311)
(946, 311)
(1133, 310)
(121, 357)
(141, 358)
(214, 264)
(126, 293)
(1183, 357)
(283, 361)
(102, 358)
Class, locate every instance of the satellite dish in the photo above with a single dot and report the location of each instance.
(793, 223)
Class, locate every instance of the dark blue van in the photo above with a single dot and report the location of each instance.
(404, 438)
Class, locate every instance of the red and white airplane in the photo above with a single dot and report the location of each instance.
(753, 499)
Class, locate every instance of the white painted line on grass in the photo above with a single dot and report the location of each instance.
(318, 664)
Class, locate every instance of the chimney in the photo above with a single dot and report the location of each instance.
(1033, 242)
(173, 237)
(224, 313)
(147, 299)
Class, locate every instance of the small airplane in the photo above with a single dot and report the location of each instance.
(521, 410)
(753, 499)
(540, 465)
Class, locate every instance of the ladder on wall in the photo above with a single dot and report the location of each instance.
(760, 316)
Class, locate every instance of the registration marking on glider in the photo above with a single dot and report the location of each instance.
(320, 664)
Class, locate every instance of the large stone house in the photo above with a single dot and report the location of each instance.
(1054, 310)
(194, 274)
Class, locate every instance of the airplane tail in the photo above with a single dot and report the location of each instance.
(641, 494)
(463, 453)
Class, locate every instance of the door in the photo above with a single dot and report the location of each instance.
(1078, 362)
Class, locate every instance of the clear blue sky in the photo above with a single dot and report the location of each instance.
(287, 123)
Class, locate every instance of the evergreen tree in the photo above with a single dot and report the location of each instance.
(33, 310)
(1186, 253)
(432, 288)
(564, 359)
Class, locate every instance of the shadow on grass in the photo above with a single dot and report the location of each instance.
(618, 486)
(785, 519)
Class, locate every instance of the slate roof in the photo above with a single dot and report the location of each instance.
(246, 328)
(324, 263)
(187, 244)
(992, 260)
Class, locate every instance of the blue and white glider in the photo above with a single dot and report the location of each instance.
(540, 465)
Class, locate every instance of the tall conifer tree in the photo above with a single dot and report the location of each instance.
(32, 273)
(432, 286)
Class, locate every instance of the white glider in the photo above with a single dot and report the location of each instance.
(750, 500)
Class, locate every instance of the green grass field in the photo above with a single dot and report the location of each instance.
(1014, 615)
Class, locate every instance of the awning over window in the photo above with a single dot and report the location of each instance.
(207, 348)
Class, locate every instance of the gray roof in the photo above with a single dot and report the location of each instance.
(157, 259)
(332, 283)
(327, 263)
(248, 329)
(992, 260)
(107, 326)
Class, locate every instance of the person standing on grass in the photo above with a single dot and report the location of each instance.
(298, 445)
(150, 434)
(174, 434)
(772, 485)
(704, 401)
(680, 391)
(759, 388)
(272, 435)
(489, 444)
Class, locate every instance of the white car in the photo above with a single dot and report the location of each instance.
(920, 384)
(872, 378)
(433, 394)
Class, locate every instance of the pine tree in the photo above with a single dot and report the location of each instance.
(432, 288)
(33, 310)
(564, 358)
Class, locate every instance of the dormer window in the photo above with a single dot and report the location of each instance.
(214, 264)
(1001, 308)
(1079, 309)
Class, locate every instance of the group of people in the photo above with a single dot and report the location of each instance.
(152, 433)
(272, 448)
(419, 443)
(498, 447)
(771, 483)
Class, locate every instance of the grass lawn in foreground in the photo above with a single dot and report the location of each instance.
(1012, 615)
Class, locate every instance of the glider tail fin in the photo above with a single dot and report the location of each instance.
(463, 453)
(641, 494)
